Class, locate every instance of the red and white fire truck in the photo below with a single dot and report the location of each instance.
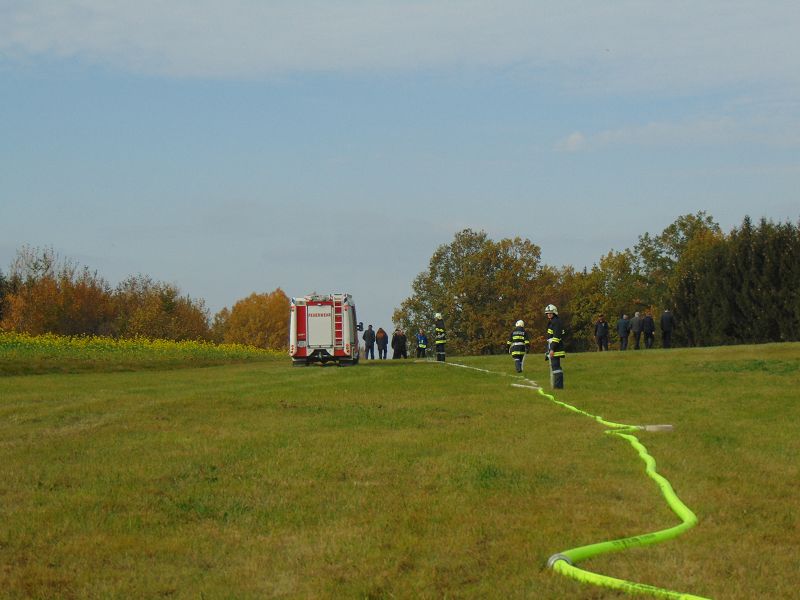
(323, 328)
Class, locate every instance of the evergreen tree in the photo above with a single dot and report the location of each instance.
(788, 293)
(740, 288)
(698, 298)
(657, 256)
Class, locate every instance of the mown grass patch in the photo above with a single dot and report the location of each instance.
(397, 478)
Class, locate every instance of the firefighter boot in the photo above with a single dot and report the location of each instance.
(556, 374)
(558, 380)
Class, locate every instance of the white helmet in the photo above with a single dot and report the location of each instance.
(520, 323)
(550, 308)
(437, 316)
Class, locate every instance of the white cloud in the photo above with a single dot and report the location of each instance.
(572, 143)
(624, 44)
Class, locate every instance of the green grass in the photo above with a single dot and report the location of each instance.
(397, 479)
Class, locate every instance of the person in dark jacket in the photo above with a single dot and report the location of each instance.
(623, 331)
(369, 343)
(554, 334)
(422, 344)
(636, 329)
(518, 344)
(440, 339)
(382, 341)
(601, 333)
(667, 325)
(649, 330)
(399, 344)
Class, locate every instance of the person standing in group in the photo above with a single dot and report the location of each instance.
(369, 343)
(422, 343)
(440, 340)
(649, 329)
(555, 346)
(636, 328)
(623, 331)
(601, 333)
(382, 341)
(399, 344)
(667, 325)
(518, 344)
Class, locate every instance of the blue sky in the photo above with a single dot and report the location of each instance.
(240, 146)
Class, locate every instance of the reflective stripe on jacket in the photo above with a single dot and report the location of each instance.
(555, 333)
(441, 336)
(519, 342)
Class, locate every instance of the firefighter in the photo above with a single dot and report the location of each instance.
(555, 346)
(518, 344)
(422, 343)
(441, 337)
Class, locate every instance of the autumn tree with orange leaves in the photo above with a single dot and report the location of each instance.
(260, 320)
(44, 293)
(48, 294)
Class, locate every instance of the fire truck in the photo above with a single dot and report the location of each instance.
(323, 328)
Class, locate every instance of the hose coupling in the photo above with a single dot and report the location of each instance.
(658, 427)
(557, 557)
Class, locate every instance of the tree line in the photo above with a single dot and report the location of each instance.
(739, 287)
(722, 288)
(43, 293)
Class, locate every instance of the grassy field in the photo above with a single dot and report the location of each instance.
(397, 479)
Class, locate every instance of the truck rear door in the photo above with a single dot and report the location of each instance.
(320, 325)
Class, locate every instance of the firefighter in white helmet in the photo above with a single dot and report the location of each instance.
(555, 346)
(518, 344)
(440, 337)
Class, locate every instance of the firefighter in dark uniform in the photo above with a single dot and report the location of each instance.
(518, 344)
(555, 346)
(440, 338)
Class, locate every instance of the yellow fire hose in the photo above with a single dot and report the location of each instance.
(565, 562)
